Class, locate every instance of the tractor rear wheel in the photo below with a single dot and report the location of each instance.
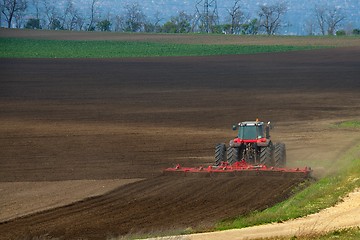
(266, 156)
(220, 153)
(280, 155)
(232, 155)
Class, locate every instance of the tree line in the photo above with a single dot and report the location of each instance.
(65, 15)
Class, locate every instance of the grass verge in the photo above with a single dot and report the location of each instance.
(349, 124)
(343, 234)
(346, 234)
(35, 48)
(322, 194)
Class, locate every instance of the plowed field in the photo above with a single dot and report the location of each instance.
(157, 204)
(64, 119)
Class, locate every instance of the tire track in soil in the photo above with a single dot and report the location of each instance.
(153, 205)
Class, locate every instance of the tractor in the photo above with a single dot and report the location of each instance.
(250, 153)
(252, 145)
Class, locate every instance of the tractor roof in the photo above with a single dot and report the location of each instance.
(251, 123)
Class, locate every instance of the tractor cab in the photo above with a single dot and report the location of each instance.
(252, 131)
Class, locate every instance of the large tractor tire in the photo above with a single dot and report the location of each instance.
(266, 156)
(280, 155)
(232, 155)
(220, 153)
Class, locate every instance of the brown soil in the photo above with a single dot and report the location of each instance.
(184, 38)
(344, 215)
(76, 119)
(24, 198)
(161, 203)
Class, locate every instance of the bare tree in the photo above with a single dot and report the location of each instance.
(37, 19)
(80, 22)
(134, 18)
(119, 23)
(183, 21)
(333, 20)
(12, 7)
(328, 19)
(320, 13)
(93, 7)
(71, 18)
(36, 6)
(310, 26)
(154, 25)
(66, 12)
(270, 16)
(1, 10)
(236, 16)
(51, 14)
(19, 17)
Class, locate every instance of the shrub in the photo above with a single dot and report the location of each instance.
(340, 33)
(356, 31)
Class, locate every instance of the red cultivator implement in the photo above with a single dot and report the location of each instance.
(241, 168)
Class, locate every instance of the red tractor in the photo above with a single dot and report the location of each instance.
(251, 153)
(252, 145)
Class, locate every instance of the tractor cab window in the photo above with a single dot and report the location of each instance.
(260, 131)
(251, 132)
(248, 132)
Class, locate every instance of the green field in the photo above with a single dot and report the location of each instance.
(34, 48)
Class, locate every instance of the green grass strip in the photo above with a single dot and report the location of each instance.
(324, 193)
(34, 48)
(342, 234)
(346, 234)
(349, 124)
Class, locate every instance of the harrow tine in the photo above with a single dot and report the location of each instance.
(239, 169)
